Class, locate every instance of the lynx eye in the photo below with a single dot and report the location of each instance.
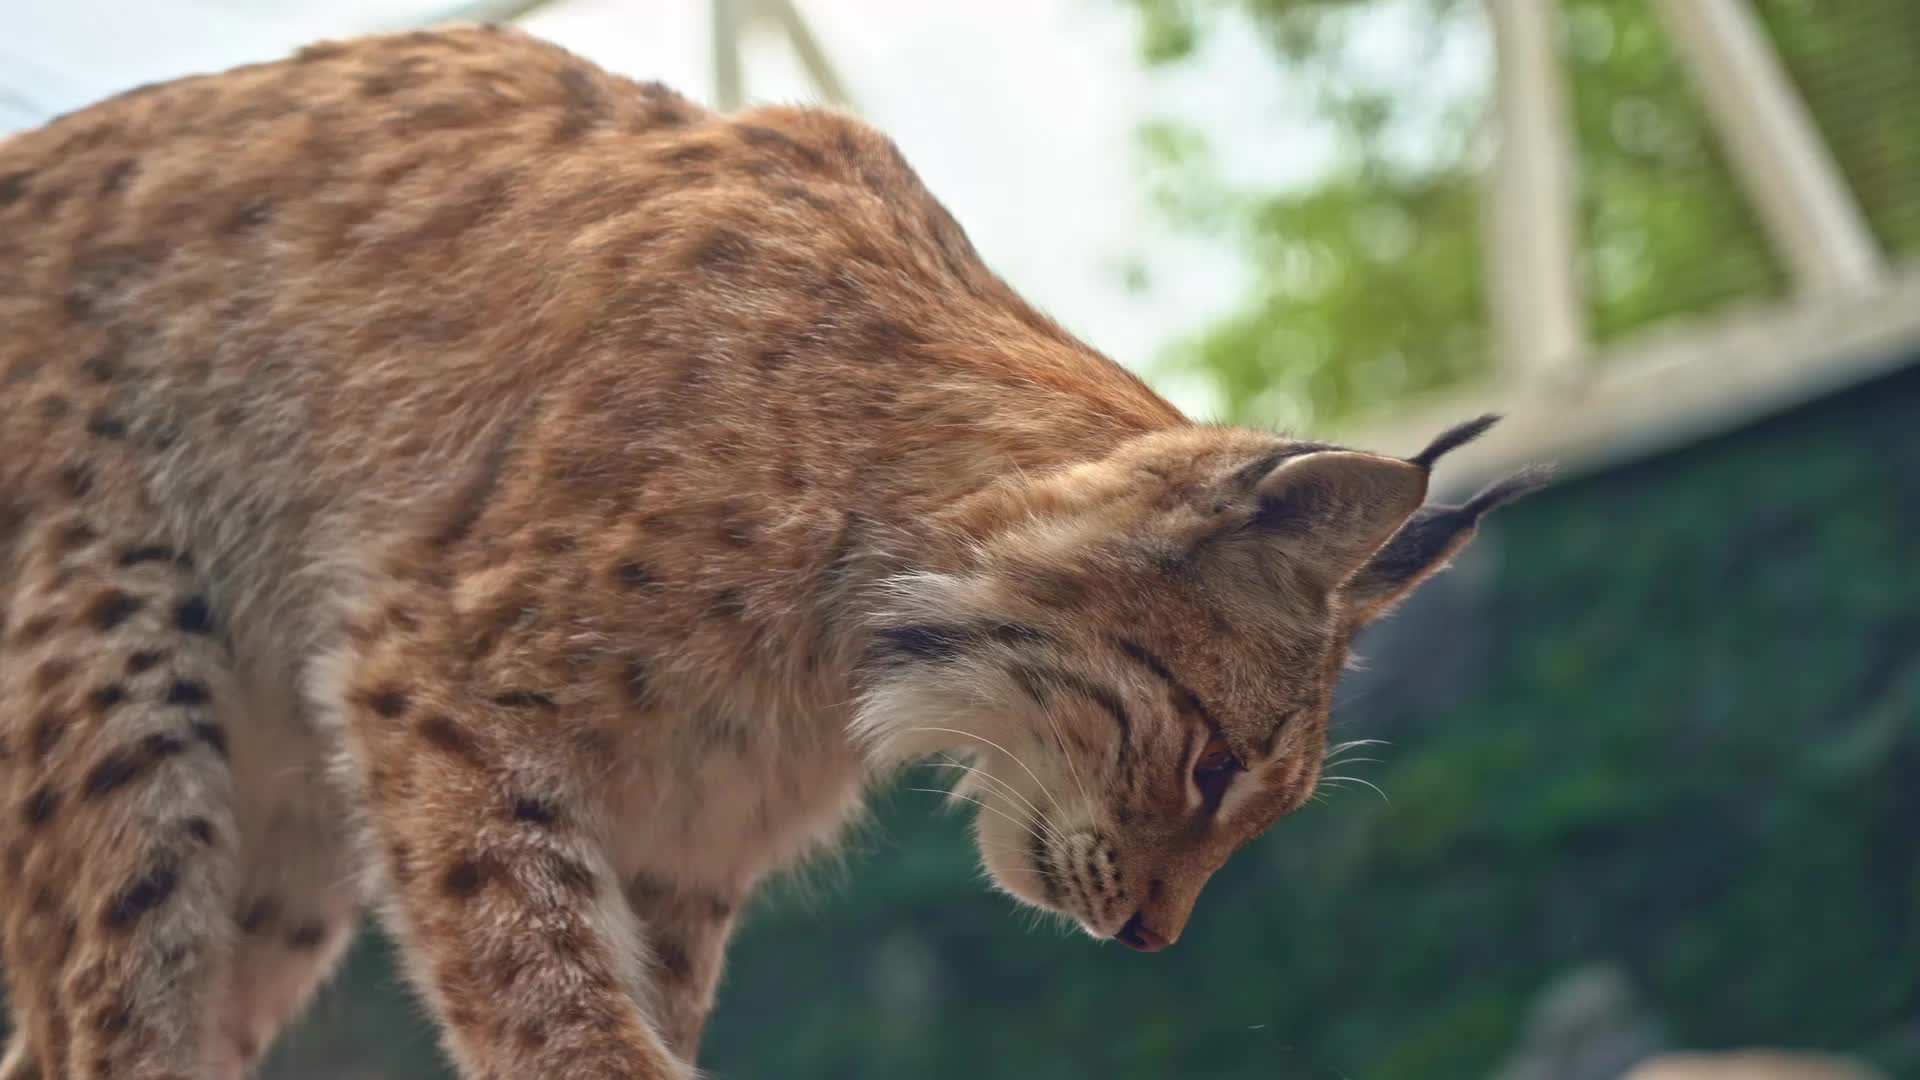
(1214, 770)
(1215, 757)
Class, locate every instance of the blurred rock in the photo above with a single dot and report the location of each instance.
(1753, 1065)
(1585, 1026)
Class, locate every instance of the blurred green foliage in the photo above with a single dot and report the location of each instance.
(1367, 282)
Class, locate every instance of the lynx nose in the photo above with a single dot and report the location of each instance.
(1139, 936)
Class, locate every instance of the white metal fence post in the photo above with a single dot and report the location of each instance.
(1776, 151)
(1532, 211)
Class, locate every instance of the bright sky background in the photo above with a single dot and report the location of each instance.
(1019, 114)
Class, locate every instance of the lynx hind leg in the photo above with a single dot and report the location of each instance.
(118, 829)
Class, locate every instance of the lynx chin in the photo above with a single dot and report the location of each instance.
(443, 477)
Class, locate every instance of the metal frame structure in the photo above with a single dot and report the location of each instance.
(734, 19)
(1850, 317)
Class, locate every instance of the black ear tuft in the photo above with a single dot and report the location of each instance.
(1429, 539)
(1511, 490)
(1453, 439)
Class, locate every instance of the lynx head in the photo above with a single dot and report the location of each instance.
(1129, 666)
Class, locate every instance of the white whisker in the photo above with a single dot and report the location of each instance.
(1033, 812)
(948, 762)
(983, 806)
(1061, 741)
(1357, 780)
(996, 746)
(1355, 743)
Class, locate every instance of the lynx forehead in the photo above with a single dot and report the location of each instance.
(444, 476)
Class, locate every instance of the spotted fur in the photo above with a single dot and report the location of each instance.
(443, 475)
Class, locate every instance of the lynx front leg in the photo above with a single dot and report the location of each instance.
(509, 916)
(688, 931)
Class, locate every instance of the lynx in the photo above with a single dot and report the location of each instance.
(444, 477)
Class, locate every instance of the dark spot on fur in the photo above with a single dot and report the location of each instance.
(259, 915)
(52, 672)
(525, 699)
(388, 701)
(774, 358)
(194, 616)
(459, 212)
(536, 811)
(307, 935)
(141, 896)
(111, 608)
(805, 196)
(723, 251)
(187, 692)
(585, 108)
(77, 534)
(728, 604)
(40, 807)
(144, 660)
(49, 199)
(380, 84)
(442, 732)
(45, 732)
(769, 139)
(530, 1035)
(116, 177)
(212, 734)
(104, 698)
(35, 629)
(114, 771)
(13, 185)
(77, 480)
(200, 829)
(671, 952)
(158, 746)
(465, 878)
(883, 337)
(634, 575)
(107, 426)
(147, 553)
(103, 367)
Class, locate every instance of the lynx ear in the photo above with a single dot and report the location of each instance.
(1426, 543)
(1336, 507)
